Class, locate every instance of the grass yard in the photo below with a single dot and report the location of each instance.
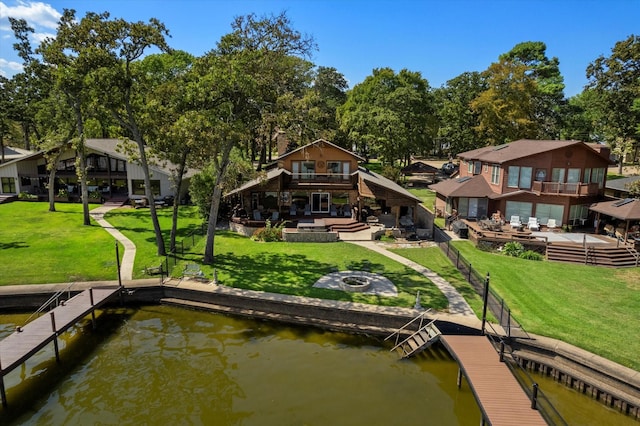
(595, 308)
(288, 268)
(39, 246)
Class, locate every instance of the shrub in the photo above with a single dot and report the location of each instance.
(27, 196)
(531, 255)
(268, 233)
(513, 248)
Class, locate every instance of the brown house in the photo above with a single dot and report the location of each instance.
(546, 179)
(322, 179)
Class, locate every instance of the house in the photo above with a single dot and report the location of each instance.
(110, 172)
(322, 179)
(546, 179)
(619, 188)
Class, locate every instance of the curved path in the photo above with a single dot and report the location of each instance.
(129, 256)
(457, 304)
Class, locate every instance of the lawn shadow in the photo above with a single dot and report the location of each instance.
(14, 245)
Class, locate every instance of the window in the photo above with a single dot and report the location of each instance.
(519, 177)
(587, 175)
(557, 175)
(472, 207)
(573, 176)
(8, 185)
(541, 175)
(514, 176)
(495, 174)
(597, 176)
(518, 208)
(544, 212)
(470, 167)
(338, 169)
(578, 212)
(137, 187)
(525, 177)
(303, 169)
(477, 167)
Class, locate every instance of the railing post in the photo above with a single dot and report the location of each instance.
(469, 277)
(501, 350)
(458, 259)
(485, 300)
(55, 336)
(509, 323)
(534, 397)
(448, 247)
(3, 393)
(93, 311)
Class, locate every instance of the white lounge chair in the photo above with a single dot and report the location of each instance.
(515, 222)
(533, 224)
(551, 224)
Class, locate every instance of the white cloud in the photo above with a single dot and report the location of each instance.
(37, 14)
(13, 67)
(39, 37)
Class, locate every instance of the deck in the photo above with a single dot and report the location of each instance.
(499, 395)
(20, 345)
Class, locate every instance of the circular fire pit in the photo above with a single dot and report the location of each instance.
(355, 284)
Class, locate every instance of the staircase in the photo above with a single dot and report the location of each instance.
(615, 257)
(349, 227)
(419, 340)
(7, 198)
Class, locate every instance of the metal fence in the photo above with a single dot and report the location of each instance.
(495, 304)
(172, 258)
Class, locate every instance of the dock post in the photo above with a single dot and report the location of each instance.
(534, 397)
(119, 278)
(3, 394)
(93, 311)
(485, 301)
(55, 336)
(459, 379)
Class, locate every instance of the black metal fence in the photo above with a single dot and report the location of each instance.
(495, 304)
(183, 246)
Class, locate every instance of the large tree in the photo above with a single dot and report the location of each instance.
(229, 92)
(457, 120)
(616, 82)
(390, 114)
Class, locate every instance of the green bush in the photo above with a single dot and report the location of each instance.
(27, 196)
(531, 255)
(268, 233)
(513, 248)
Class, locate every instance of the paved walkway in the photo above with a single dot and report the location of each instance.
(129, 256)
(457, 304)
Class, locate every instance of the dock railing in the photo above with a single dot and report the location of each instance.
(53, 300)
(496, 304)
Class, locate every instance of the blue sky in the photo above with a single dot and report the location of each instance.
(440, 39)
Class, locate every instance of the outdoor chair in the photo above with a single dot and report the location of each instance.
(307, 210)
(257, 215)
(551, 224)
(333, 210)
(347, 210)
(609, 230)
(275, 216)
(515, 222)
(533, 224)
(293, 210)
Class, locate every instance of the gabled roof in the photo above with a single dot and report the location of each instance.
(520, 149)
(270, 175)
(319, 142)
(382, 181)
(466, 186)
(626, 209)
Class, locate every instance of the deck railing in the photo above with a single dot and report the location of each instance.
(582, 189)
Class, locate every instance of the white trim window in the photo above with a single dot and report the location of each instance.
(495, 174)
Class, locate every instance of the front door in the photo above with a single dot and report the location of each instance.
(320, 202)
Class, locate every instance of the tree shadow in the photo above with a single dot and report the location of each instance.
(13, 245)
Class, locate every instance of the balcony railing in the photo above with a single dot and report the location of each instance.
(321, 177)
(580, 189)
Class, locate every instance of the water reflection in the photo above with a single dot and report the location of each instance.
(162, 365)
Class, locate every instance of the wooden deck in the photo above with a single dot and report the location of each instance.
(500, 397)
(20, 345)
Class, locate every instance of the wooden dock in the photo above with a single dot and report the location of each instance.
(500, 397)
(28, 340)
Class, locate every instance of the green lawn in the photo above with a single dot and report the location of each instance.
(39, 246)
(595, 308)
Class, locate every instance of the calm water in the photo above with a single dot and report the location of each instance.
(163, 365)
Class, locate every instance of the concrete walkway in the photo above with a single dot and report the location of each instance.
(129, 256)
(457, 304)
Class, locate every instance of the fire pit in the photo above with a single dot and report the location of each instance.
(355, 284)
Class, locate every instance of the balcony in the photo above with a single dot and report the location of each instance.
(321, 177)
(577, 189)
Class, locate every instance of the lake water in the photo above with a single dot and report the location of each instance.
(163, 365)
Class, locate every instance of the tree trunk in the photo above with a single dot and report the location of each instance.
(215, 203)
(82, 166)
(176, 200)
(52, 187)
